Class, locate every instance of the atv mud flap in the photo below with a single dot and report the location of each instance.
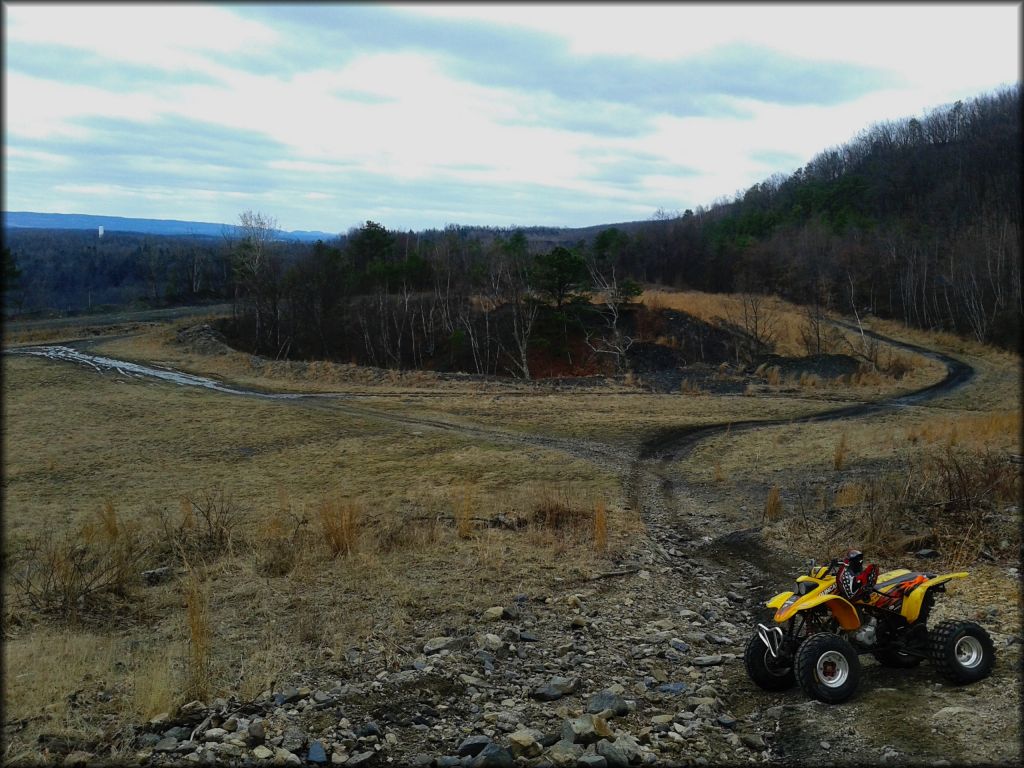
(771, 637)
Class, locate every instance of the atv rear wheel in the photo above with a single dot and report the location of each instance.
(962, 651)
(889, 657)
(827, 668)
(769, 673)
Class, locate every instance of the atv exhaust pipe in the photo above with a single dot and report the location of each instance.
(771, 637)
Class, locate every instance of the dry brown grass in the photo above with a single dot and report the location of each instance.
(717, 308)
(839, 454)
(975, 430)
(199, 674)
(339, 524)
(849, 494)
(462, 508)
(600, 527)
(689, 387)
(773, 505)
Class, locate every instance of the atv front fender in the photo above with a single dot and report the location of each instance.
(841, 609)
(777, 601)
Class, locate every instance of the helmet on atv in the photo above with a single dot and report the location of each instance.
(854, 581)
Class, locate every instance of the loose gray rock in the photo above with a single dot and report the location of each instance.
(564, 753)
(370, 729)
(294, 739)
(592, 761)
(167, 744)
(585, 729)
(752, 740)
(629, 747)
(494, 756)
(438, 644)
(316, 753)
(707, 661)
(554, 689)
(614, 756)
(473, 745)
(361, 758)
(606, 699)
(255, 734)
(525, 742)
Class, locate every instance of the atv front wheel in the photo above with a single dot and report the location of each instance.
(889, 657)
(962, 651)
(827, 668)
(769, 673)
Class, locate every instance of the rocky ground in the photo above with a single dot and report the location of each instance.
(642, 666)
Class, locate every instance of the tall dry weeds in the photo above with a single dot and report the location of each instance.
(600, 527)
(199, 667)
(339, 524)
(839, 455)
(773, 505)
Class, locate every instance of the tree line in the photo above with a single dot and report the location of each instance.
(915, 219)
(443, 300)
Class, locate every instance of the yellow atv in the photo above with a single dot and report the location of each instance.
(818, 634)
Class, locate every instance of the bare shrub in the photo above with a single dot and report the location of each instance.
(279, 539)
(773, 375)
(952, 498)
(207, 525)
(76, 575)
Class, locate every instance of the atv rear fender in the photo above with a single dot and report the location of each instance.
(912, 603)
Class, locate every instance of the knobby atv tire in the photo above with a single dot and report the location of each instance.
(888, 657)
(760, 669)
(962, 651)
(829, 649)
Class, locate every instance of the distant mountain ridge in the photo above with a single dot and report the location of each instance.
(539, 236)
(29, 219)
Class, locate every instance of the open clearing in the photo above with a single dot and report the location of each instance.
(464, 494)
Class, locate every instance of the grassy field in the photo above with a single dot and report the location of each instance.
(354, 521)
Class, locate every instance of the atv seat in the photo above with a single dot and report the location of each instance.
(889, 585)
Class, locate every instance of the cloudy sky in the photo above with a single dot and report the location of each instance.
(419, 116)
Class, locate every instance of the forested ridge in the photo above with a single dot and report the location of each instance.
(916, 219)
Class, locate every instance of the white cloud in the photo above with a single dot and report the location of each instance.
(398, 116)
(164, 36)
